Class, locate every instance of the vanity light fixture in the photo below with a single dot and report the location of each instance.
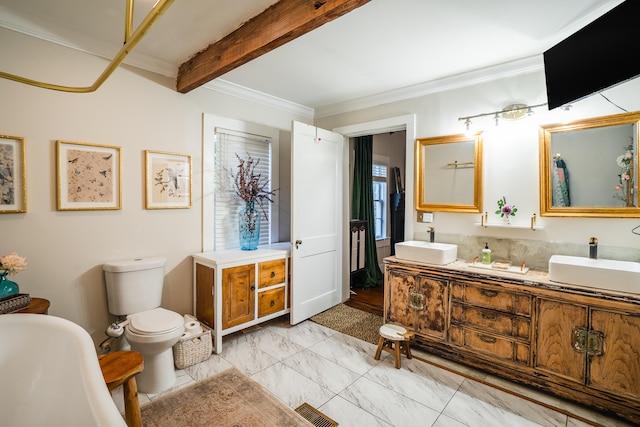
(510, 112)
(467, 127)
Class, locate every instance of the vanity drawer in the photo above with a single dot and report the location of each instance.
(270, 301)
(491, 320)
(492, 297)
(491, 344)
(271, 273)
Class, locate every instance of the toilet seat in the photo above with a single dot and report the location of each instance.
(157, 321)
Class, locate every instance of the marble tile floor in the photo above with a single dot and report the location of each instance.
(338, 375)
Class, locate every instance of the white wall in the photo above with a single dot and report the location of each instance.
(136, 111)
(511, 165)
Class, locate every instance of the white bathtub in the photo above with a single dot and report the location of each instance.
(49, 375)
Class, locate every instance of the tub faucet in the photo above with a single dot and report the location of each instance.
(432, 234)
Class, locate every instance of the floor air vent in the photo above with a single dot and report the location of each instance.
(314, 416)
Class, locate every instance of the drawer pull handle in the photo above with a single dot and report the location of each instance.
(489, 293)
(487, 338)
(489, 316)
(272, 303)
(273, 274)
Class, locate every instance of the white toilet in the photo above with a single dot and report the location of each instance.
(134, 290)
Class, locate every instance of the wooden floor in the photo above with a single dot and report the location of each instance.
(369, 300)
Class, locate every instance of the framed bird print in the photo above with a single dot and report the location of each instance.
(167, 180)
(13, 189)
(88, 176)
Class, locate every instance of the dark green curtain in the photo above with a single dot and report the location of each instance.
(362, 208)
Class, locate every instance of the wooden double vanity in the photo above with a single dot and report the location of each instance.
(578, 343)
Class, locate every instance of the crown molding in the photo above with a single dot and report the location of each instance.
(521, 66)
(239, 91)
(513, 68)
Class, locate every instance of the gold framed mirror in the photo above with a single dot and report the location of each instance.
(449, 173)
(589, 168)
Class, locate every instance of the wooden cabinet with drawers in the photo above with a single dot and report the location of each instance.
(236, 289)
(578, 343)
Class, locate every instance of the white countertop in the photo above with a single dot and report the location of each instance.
(234, 255)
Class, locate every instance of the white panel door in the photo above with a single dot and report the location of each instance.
(316, 220)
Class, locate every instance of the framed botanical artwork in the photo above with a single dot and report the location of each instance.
(13, 190)
(167, 180)
(88, 176)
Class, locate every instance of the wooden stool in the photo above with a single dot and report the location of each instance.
(394, 339)
(120, 368)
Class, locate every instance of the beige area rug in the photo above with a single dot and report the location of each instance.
(228, 399)
(351, 321)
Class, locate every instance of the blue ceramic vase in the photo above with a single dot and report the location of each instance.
(7, 287)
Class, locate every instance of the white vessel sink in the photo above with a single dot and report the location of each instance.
(609, 274)
(430, 253)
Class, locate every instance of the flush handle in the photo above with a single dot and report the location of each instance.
(489, 293)
(487, 338)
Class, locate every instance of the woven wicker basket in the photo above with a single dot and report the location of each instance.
(14, 303)
(192, 350)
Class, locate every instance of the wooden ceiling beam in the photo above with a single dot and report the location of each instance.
(282, 22)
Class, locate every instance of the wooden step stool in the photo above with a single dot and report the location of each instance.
(120, 369)
(394, 339)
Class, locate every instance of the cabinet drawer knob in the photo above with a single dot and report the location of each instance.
(487, 338)
(253, 287)
(273, 274)
(272, 303)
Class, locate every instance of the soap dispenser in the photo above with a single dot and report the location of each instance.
(486, 254)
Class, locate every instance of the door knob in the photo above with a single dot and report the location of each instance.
(298, 243)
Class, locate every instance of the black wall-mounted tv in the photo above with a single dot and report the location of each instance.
(600, 55)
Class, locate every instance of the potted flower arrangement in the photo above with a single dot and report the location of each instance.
(505, 210)
(10, 264)
(253, 188)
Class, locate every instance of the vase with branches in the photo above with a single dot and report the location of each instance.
(254, 189)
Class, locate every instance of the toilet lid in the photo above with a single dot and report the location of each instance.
(156, 321)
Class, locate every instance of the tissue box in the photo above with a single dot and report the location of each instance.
(193, 349)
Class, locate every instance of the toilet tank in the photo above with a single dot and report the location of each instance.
(134, 285)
